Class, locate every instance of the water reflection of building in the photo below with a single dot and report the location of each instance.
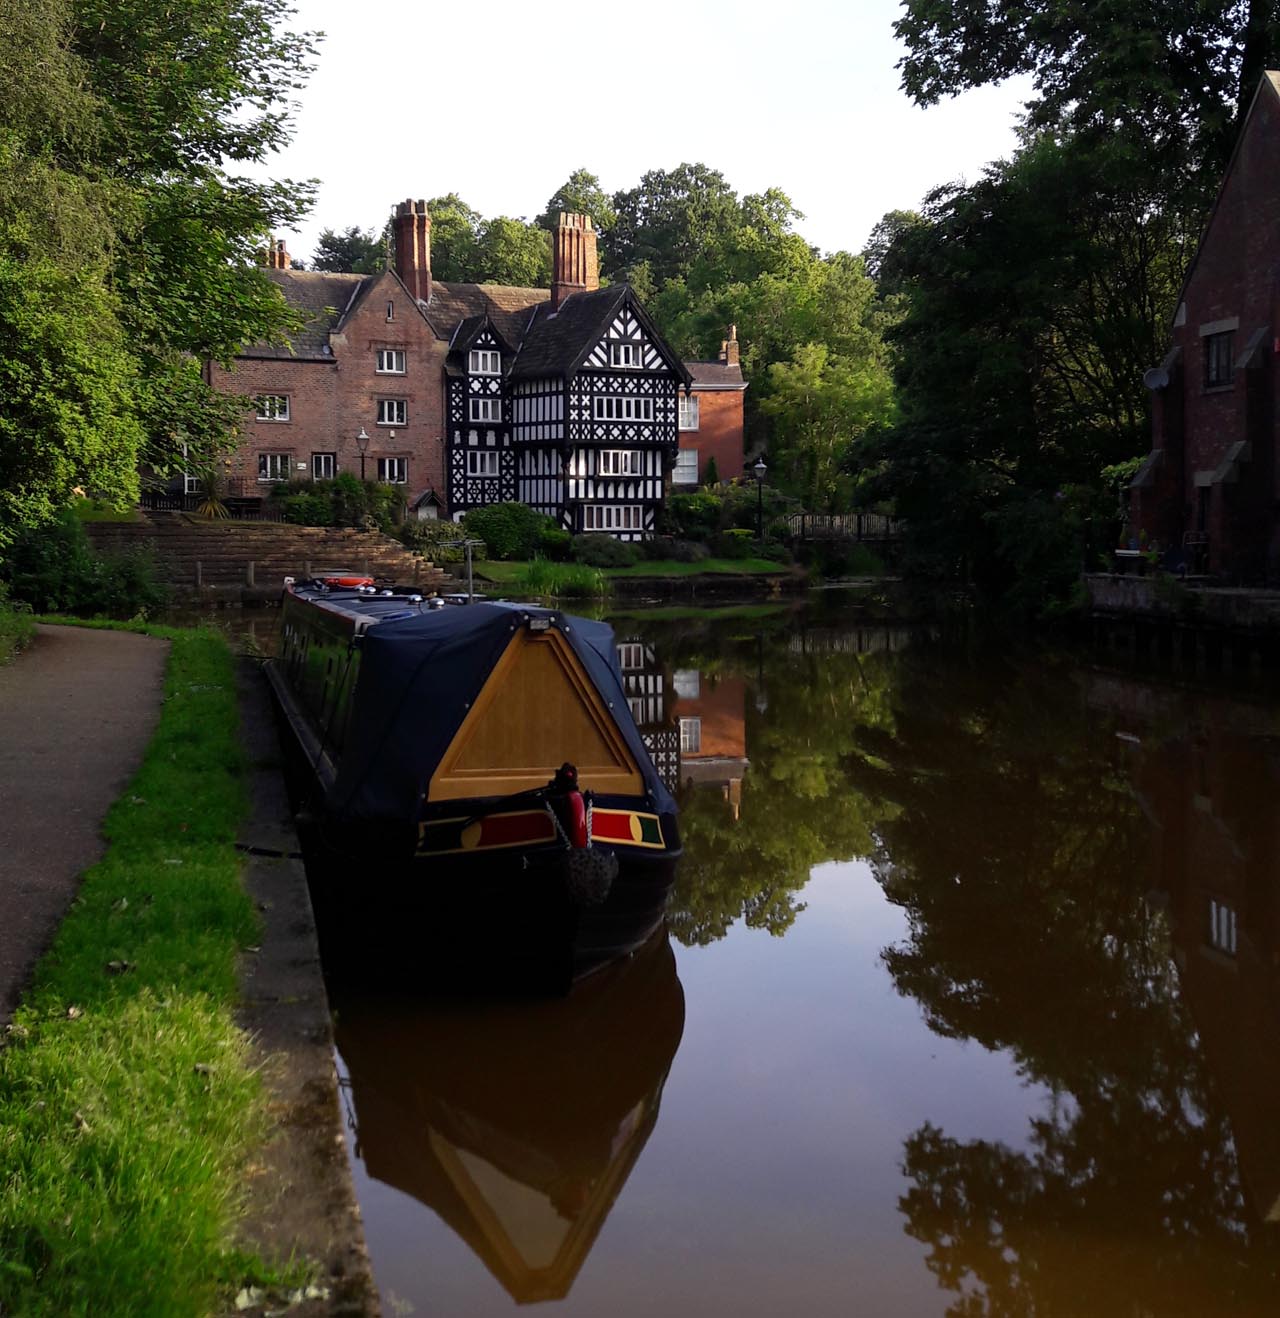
(1210, 792)
(711, 717)
(517, 1123)
(646, 686)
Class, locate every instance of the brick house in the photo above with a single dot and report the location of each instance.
(711, 420)
(568, 399)
(1208, 491)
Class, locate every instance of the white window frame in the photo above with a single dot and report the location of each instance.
(621, 407)
(271, 407)
(631, 655)
(1222, 927)
(691, 736)
(484, 361)
(318, 464)
(625, 356)
(620, 462)
(482, 462)
(390, 361)
(486, 410)
(685, 472)
(688, 411)
(607, 517)
(274, 467)
(393, 411)
(393, 471)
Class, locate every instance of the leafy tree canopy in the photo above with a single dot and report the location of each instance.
(580, 194)
(353, 251)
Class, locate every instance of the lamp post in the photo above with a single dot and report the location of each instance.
(758, 471)
(362, 443)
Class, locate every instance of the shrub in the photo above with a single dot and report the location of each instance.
(431, 540)
(54, 569)
(510, 530)
(604, 551)
(665, 548)
(711, 473)
(694, 516)
(554, 543)
(734, 543)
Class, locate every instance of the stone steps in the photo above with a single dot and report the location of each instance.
(192, 553)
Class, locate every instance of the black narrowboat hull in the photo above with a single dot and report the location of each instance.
(478, 889)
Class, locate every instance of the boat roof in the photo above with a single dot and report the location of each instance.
(422, 669)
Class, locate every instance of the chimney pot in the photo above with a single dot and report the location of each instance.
(729, 348)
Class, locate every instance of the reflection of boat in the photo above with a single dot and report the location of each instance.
(440, 747)
(518, 1124)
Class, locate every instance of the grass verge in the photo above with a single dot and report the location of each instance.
(561, 580)
(127, 1104)
(16, 628)
(510, 574)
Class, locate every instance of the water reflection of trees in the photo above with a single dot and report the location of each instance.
(1008, 833)
(799, 806)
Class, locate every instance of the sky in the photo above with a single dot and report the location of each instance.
(500, 101)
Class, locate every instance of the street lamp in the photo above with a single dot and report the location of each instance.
(758, 471)
(362, 443)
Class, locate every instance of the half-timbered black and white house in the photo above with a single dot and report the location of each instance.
(594, 395)
(466, 395)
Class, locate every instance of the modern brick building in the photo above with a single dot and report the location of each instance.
(468, 394)
(1209, 491)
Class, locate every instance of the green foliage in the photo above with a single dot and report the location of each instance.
(510, 530)
(580, 194)
(734, 543)
(562, 580)
(52, 568)
(455, 230)
(604, 551)
(129, 1119)
(695, 515)
(127, 252)
(353, 251)
(554, 542)
(16, 627)
(711, 473)
(344, 501)
(665, 548)
(431, 539)
(512, 252)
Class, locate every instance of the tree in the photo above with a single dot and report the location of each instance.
(580, 194)
(512, 252)
(126, 250)
(353, 251)
(455, 232)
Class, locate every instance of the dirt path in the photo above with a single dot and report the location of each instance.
(76, 712)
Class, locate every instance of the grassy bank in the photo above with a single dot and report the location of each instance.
(127, 1106)
(16, 629)
(514, 573)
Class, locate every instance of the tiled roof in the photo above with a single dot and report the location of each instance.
(323, 296)
(506, 306)
(556, 339)
(716, 375)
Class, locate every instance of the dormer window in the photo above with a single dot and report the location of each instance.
(626, 355)
(484, 361)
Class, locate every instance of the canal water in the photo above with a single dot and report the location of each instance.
(968, 1006)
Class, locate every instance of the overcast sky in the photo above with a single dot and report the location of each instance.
(500, 101)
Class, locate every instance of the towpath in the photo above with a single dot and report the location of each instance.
(77, 709)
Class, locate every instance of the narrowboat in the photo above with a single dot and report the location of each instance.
(471, 773)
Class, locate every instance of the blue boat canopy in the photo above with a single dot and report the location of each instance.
(419, 678)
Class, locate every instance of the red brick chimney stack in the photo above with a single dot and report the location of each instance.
(729, 348)
(277, 257)
(575, 267)
(412, 227)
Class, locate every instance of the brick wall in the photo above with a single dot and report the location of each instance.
(1235, 279)
(331, 400)
(719, 432)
